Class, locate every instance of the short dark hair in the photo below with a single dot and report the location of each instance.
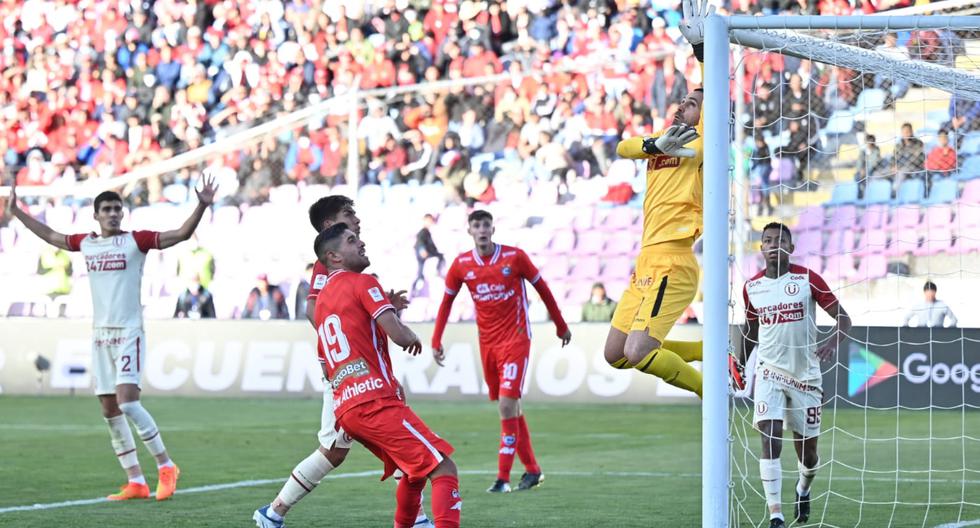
(929, 286)
(328, 207)
(780, 226)
(327, 239)
(106, 196)
(480, 214)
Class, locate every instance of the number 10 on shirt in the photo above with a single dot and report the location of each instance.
(335, 345)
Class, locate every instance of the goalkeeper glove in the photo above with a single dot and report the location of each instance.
(672, 142)
(692, 25)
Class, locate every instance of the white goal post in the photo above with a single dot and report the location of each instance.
(773, 33)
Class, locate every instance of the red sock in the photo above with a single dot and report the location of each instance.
(408, 497)
(524, 449)
(447, 504)
(509, 431)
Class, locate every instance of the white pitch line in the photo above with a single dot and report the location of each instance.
(961, 524)
(643, 474)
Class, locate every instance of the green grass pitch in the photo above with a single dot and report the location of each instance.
(617, 466)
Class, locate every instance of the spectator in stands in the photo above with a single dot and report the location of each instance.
(931, 313)
(418, 157)
(941, 160)
(896, 86)
(55, 270)
(761, 170)
(265, 301)
(599, 308)
(195, 302)
(909, 158)
(302, 292)
(869, 163)
(425, 249)
(196, 263)
(964, 117)
(669, 85)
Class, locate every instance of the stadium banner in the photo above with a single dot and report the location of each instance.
(917, 368)
(271, 358)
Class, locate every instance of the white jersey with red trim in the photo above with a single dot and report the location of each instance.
(115, 274)
(786, 310)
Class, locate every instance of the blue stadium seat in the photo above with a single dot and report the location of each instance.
(844, 193)
(878, 192)
(911, 191)
(971, 143)
(943, 191)
(870, 100)
(840, 122)
(970, 169)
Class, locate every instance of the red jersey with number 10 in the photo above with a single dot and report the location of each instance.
(496, 284)
(354, 348)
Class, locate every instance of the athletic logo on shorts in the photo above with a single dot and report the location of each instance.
(792, 288)
(761, 407)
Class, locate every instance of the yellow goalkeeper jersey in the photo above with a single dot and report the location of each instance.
(673, 208)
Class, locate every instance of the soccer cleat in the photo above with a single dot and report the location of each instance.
(530, 480)
(131, 490)
(262, 520)
(737, 372)
(168, 482)
(423, 522)
(777, 523)
(499, 486)
(801, 509)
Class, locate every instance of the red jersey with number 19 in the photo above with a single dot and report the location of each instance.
(353, 346)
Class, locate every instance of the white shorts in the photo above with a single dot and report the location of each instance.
(330, 434)
(118, 357)
(778, 396)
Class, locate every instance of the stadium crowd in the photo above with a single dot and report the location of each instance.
(95, 89)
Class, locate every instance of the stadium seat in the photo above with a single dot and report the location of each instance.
(562, 243)
(311, 193)
(226, 216)
(839, 267)
(344, 190)
(621, 243)
(874, 241)
(970, 169)
(583, 218)
(872, 267)
(874, 217)
(937, 240)
(878, 192)
(943, 191)
(397, 196)
(971, 192)
(937, 217)
(286, 194)
(617, 268)
(912, 191)
(839, 241)
(970, 144)
(869, 101)
(586, 269)
(808, 243)
(619, 218)
(844, 193)
(810, 218)
(905, 218)
(840, 122)
(590, 243)
(370, 197)
(903, 242)
(842, 218)
(967, 241)
(967, 216)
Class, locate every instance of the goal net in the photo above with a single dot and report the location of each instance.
(865, 141)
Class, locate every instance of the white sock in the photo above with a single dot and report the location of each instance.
(123, 443)
(270, 513)
(772, 482)
(138, 480)
(168, 463)
(806, 478)
(305, 477)
(145, 426)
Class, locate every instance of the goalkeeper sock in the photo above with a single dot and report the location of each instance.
(671, 368)
(772, 481)
(621, 364)
(806, 478)
(510, 428)
(688, 350)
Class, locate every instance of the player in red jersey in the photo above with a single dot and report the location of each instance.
(495, 276)
(334, 444)
(114, 259)
(354, 319)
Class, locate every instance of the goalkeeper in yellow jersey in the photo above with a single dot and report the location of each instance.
(666, 277)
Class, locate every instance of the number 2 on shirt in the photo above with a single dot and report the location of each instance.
(335, 345)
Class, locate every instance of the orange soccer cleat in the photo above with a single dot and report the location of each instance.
(131, 490)
(168, 482)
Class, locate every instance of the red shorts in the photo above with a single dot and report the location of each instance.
(504, 368)
(390, 430)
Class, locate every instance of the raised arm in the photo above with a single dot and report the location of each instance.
(37, 227)
(205, 198)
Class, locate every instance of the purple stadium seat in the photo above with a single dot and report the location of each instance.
(839, 267)
(937, 217)
(586, 269)
(621, 243)
(555, 269)
(808, 243)
(842, 218)
(936, 241)
(971, 192)
(872, 267)
(967, 242)
(967, 216)
(810, 218)
(905, 218)
(617, 268)
(813, 263)
(875, 217)
(839, 241)
(873, 242)
(903, 242)
(590, 243)
(583, 219)
(619, 218)
(562, 243)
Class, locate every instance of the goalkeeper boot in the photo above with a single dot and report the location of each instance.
(530, 480)
(801, 509)
(778, 522)
(131, 490)
(737, 372)
(262, 519)
(499, 486)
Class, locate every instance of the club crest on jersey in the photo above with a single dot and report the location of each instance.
(118, 241)
(506, 271)
(792, 288)
(761, 408)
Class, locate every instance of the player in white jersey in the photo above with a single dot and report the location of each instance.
(334, 443)
(114, 259)
(780, 314)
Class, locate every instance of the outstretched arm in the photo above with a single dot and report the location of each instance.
(37, 227)
(205, 197)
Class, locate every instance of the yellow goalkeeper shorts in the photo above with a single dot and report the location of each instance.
(662, 287)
